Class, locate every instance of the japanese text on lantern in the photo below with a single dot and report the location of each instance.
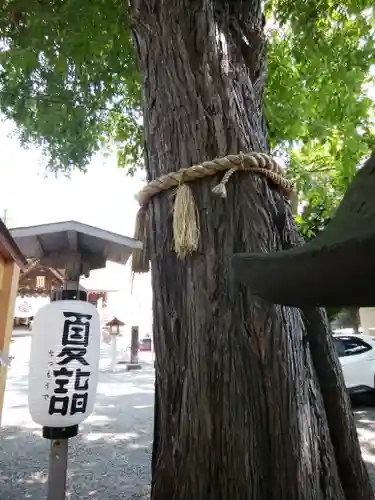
(75, 339)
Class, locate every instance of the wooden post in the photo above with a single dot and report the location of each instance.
(134, 344)
(8, 292)
(114, 347)
(134, 347)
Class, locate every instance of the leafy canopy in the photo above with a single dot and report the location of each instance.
(318, 105)
(68, 79)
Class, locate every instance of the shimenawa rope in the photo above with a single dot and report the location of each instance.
(185, 219)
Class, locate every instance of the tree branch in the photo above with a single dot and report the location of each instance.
(243, 23)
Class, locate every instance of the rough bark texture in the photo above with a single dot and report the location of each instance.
(240, 413)
(355, 321)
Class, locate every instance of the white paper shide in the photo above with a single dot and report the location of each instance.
(64, 363)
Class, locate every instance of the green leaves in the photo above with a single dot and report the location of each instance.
(66, 69)
(68, 79)
(318, 112)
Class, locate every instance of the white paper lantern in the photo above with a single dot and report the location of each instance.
(64, 363)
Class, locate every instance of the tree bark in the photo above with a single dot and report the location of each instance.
(354, 318)
(240, 413)
(351, 468)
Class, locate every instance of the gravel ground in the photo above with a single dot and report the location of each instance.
(365, 419)
(111, 457)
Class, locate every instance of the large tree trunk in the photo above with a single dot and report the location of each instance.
(240, 410)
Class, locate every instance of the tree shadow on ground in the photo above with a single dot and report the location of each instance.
(365, 421)
(109, 460)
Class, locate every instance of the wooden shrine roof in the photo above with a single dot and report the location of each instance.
(35, 265)
(27, 284)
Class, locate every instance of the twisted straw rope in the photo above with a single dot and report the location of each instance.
(255, 162)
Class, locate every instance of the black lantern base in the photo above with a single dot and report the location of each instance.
(69, 295)
(60, 432)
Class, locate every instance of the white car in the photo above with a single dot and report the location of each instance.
(357, 356)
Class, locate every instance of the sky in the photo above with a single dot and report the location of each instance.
(103, 197)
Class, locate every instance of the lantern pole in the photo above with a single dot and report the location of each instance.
(58, 464)
(58, 454)
(114, 348)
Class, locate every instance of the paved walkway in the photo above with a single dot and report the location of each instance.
(110, 459)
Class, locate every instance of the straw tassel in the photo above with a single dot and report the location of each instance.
(220, 189)
(141, 257)
(185, 222)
